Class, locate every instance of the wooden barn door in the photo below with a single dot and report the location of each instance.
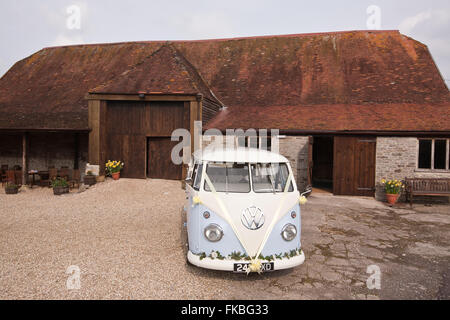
(354, 166)
(160, 165)
(138, 133)
(126, 140)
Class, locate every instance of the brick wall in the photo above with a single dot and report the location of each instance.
(396, 158)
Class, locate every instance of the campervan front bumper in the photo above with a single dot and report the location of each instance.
(229, 265)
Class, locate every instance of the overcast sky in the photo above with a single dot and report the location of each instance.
(27, 26)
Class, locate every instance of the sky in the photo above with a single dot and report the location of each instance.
(27, 26)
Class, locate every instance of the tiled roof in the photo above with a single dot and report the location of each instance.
(338, 117)
(355, 68)
(164, 71)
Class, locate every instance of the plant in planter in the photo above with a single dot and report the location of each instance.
(90, 179)
(393, 188)
(11, 188)
(60, 186)
(113, 168)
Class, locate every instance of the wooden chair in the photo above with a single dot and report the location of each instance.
(10, 176)
(76, 178)
(3, 170)
(18, 177)
(44, 179)
(64, 173)
(52, 175)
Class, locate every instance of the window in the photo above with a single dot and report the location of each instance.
(228, 177)
(270, 177)
(434, 154)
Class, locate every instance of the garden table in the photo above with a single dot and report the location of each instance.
(33, 173)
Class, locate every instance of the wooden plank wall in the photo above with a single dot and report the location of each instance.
(130, 123)
(354, 166)
(97, 135)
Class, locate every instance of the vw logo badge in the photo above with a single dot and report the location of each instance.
(252, 218)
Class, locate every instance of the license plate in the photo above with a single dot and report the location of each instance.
(243, 267)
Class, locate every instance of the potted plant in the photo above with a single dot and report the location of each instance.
(393, 188)
(11, 188)
(90, 179)
(60, 186)
(113, 169)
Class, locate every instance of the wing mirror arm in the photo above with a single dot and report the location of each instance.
(307, 191)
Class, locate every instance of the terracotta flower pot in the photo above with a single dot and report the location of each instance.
(115, 175)
(392, 198)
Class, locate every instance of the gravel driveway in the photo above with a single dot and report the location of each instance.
(126, 237)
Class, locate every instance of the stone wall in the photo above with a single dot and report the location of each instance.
(396, 158)
(44, 150)
(295, 149)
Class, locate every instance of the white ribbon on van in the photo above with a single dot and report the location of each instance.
(225, 212)
(276, 216)
(255, 265)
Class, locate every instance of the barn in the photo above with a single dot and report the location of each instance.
(351, 107)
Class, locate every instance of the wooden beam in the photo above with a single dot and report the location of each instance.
(24, 158)
(147, 97)
(97, 135)
(193, 117)
(77, 151)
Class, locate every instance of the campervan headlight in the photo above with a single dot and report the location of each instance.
(213, 232)
(289, 232)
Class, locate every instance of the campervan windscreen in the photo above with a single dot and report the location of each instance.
(228, 177)
(270, 177)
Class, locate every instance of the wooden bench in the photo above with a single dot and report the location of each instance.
(427, 187)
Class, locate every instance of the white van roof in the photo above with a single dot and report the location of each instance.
(240, 155)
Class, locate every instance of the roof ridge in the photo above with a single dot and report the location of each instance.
(185, 62)
(193, 75)
(287, 35)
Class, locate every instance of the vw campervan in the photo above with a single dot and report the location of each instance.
(243, 211)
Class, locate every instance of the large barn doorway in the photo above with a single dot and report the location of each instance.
(354, 166)
(159, 162)
(322, 169)
(133, 136)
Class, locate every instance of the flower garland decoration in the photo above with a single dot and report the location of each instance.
(237, 256)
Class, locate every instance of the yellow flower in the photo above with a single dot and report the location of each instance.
(383, 180)
(302, 200)
(196, 200)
